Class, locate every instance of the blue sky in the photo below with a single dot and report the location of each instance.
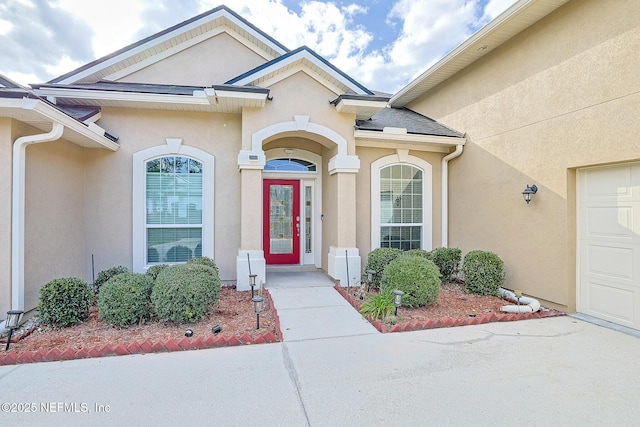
(383, 44)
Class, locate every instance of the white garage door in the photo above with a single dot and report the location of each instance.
(609, 243)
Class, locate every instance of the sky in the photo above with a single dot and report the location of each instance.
(383, 44)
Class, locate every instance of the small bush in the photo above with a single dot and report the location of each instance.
(418, 252)
(125, 299)
(154, 270)
(447, 260)
(483, 272)
(378, 260)
(64, 301)
(378, 306)
(417, 277)
(204, 261)
(182, 293)
(105, 275)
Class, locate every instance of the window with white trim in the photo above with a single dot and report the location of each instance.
(173, 205)
(401, 204)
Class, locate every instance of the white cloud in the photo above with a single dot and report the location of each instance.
(427, 30)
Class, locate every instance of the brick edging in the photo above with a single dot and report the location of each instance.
(447, 322)
(144, 347)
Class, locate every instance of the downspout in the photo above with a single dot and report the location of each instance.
(18, 210)
(445, 193)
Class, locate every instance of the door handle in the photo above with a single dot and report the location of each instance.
(298, 226)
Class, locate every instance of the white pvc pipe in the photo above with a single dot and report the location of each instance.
(445, 193)
(17, 210)
(526, 304)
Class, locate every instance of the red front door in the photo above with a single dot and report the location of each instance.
(281, 221)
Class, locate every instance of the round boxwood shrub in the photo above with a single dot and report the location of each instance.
(483, 272)
(125, 299)
(416, 276)
(154, 270)
(182, 293)
(64, 301)
(204, 261)
(447, 260)
(107, 274)
(418, 252)
(377, 260)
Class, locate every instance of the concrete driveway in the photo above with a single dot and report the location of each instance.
(555, 371)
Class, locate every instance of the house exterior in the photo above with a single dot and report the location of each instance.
(210, 139)
(213, 139)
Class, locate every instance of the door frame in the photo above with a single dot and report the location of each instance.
(312, 179)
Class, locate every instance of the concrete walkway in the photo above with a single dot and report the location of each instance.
(556, 371)
(309, 307)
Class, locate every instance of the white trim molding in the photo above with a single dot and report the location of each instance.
(402, 157)
(173, 147)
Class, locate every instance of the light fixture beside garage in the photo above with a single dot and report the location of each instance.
(528, 192)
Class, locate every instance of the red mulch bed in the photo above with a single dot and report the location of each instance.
(95, 337)
(454, 307)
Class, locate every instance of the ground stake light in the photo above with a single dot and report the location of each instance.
(397, 299)
(11, 323)
(258, 306)
(370, 274)
(252, 282)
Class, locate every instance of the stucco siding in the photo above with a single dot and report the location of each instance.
(561, 95)
(109, 180)
(54, 216)
(213, 61)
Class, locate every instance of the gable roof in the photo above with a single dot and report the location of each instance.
(172, 40)
(520, 16)
(302, 57)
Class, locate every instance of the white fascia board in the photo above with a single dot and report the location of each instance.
(241, 95)
(406, 137)
(359, 103)
(161, 39)
(198, 98)
(293, 59)
(92, 132)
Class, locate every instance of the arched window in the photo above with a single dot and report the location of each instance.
(290, 165)
(173, 206)
(401, 203)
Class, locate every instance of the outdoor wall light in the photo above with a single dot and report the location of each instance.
(397, 299)
(252, 282)
(528, 192)
(11, 323)
(258, 306)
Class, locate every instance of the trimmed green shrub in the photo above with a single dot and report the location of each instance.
(64, 301)
(154, 270)
(125, 299)
(377, 260)
(416, 276)
(418, 252)
(204, 261)
(447, 260)
(105, 275)
(483, 272)
(182, 293)
(378, 306)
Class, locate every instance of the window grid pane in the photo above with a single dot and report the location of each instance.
(173, 198)
(401, 202)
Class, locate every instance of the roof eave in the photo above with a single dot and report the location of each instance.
(512, 21)
(397, 138)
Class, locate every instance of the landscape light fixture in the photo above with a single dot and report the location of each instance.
(11, 323)
(370, 274)
(252, 282)
(397, 299)
(529, 191)
(258, 306)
